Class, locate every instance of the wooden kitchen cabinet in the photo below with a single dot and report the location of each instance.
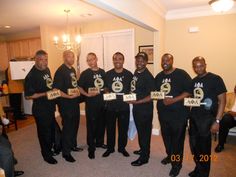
(23, 48)
(3, 56)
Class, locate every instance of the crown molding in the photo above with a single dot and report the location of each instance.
(195, 12)
(156, 6)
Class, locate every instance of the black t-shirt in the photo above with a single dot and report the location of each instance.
(64, 79)
(173, 84)
(89, 79)
(142, 85)
(38, 81)
(118, 83)
(208, 87)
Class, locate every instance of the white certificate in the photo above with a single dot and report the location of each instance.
(109, 96)
(192, 102)
(157, 95)
(129, 97)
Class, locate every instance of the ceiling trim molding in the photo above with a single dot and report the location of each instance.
(194, 12)
(156, 6)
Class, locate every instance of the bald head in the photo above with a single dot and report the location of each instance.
(68, 57)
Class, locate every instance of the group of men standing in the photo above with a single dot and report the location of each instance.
(175, 83)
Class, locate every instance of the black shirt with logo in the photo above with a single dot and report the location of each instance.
(142, 85)
(173, 84)
(207, 87)
(118, 83)
(39, 81)
(90, 79)
(64, 79)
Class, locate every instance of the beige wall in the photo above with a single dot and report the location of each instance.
(215, 41)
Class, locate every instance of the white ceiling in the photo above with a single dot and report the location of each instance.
(28, 14)
(180, 4)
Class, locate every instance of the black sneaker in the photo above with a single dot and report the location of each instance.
(91, 154)
(166, 160)
(219, 148)
(175, 171)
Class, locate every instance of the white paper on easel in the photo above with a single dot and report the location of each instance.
(19, 69)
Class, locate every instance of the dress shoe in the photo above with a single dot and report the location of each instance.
(139, 162)
(175, 171)
(193, 173)
(124, 152)
(107, 153)
(219, 148)
(77, 149)
(50, 160)
(138, 152)
(91, 154)
(166, 160)
(18, 173)
(103, 146)
(69, 158)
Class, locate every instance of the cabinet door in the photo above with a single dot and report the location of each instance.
(24, 48)
(34, 46)
(14, 49)
(3, 56)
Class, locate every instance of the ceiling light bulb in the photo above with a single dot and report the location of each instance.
(7, 26)
(221, 5)
(78, 39)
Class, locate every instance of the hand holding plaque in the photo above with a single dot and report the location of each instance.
(195, 102)
(53, 94)
(93, 91)
(155, 95)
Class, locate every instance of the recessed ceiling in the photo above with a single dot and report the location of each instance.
(29, 14)
(181, 4)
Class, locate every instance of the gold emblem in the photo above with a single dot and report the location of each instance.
(133, 85)
(117, 86)
(166, 87)
(49, 83)
(198, 93)
(98, 83)
(73, 81)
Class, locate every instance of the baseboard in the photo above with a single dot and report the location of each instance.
(156, 131)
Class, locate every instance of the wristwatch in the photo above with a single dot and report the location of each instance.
(217, 121)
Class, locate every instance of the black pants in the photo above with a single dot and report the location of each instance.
(15, 102)
(226, 123)
(95, 121)
(70, 125)
(123, 125)
(173, 128)
(45, 122)
(200, 142)
(143, 121)
(6, 157)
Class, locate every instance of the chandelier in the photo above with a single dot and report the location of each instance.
(67, 40)
(221, 5)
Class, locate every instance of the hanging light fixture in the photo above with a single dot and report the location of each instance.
(221, 5)
(67, 42)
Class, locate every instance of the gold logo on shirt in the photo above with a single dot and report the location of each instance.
(166, 88)
(49, 83)
(133, 85)
(117, 86)
(98, 83)
(198, 93)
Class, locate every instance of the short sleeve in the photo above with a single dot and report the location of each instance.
(187, 84)
(150, 82)
(58, 80)
(82, 80)
(220, 86)
(28, 86)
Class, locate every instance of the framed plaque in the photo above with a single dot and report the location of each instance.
(109, 96)
(93, 90)
(53, 94)
(129, 97)
(72, 91)
(192, 102)
(157, 95)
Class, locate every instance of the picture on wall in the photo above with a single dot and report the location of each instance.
(148, 49)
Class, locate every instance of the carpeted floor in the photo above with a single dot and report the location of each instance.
(26, 148)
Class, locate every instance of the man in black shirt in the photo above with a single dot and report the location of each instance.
(91, 83)
(142, 85)
(176, 85)
(37, 83)
(117, 81)
(204, 120)
(65, 80)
